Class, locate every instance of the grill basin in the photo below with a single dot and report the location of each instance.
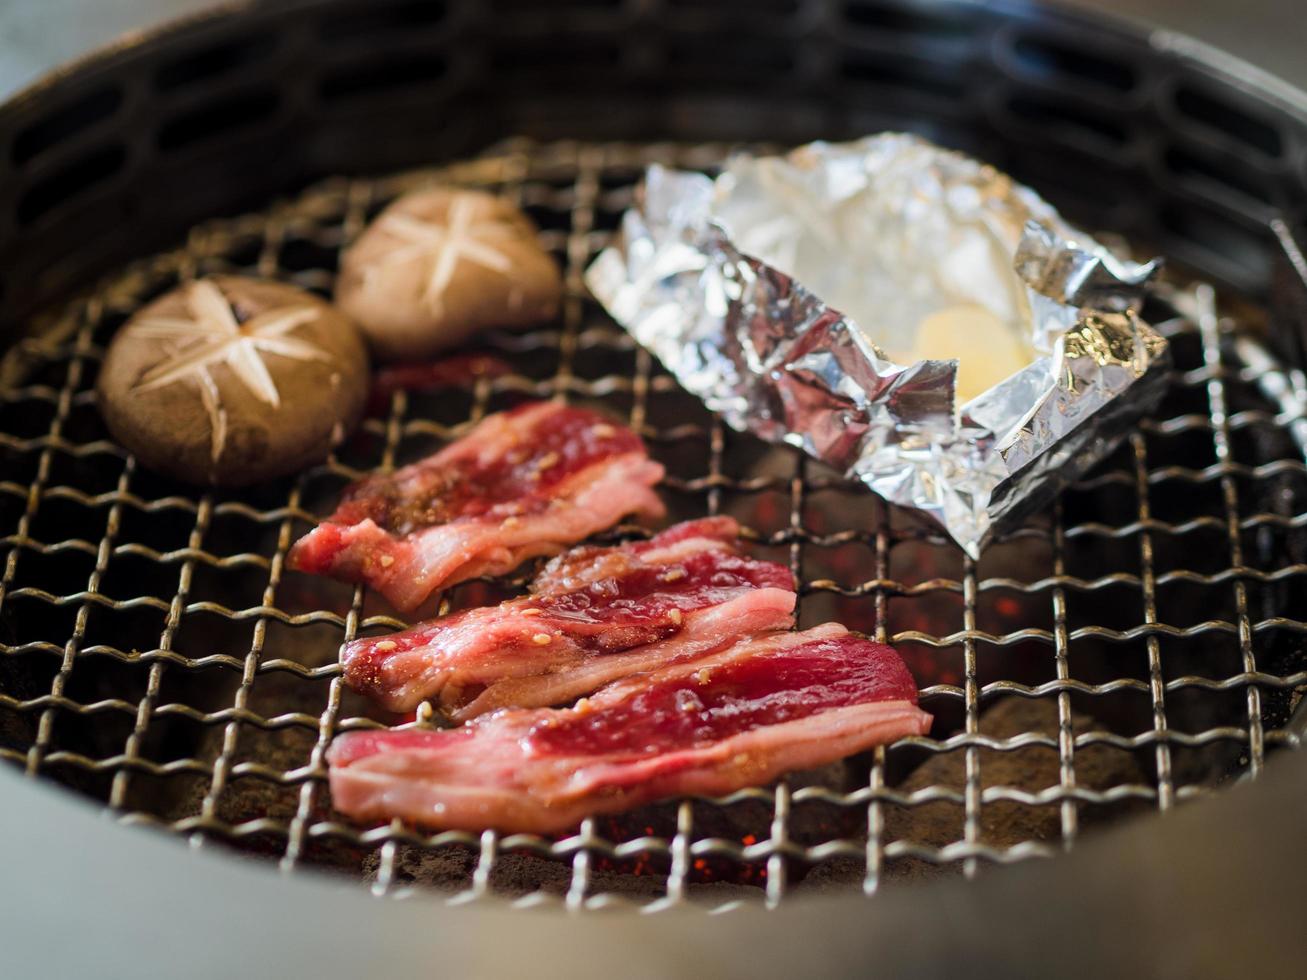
(1133, 648)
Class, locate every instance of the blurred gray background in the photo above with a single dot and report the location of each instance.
(36, 35)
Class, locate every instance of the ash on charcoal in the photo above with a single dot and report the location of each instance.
(447, 869)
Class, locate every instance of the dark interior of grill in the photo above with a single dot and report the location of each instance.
(1136, 645)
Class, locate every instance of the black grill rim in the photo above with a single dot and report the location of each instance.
(1261, 124)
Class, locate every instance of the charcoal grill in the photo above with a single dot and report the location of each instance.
(1137, 646)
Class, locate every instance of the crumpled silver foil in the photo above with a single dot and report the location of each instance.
(818, 299)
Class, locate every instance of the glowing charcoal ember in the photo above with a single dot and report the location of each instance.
(522, 483)
(594, 615)
(740, 717)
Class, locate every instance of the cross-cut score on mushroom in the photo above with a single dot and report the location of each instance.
(439, 265)
(230, 381)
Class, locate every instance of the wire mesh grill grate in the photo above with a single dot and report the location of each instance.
(1130, 649)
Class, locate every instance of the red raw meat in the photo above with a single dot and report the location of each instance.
(523, 483)
(457, 370)
(594, 615)
(739, 717)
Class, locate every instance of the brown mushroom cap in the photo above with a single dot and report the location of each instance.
(438, 265)
(227, 425)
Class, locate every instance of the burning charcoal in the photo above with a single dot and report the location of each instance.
(1002, 825)
(521, 874)
(447, 869)
(749, 820)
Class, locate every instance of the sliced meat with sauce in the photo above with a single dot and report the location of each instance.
(594, 615)
(740, 717)
(522, 483)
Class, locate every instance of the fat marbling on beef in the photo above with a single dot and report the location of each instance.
(736, 718)
(594, 615)
(522, 483)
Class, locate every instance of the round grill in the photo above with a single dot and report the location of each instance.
(1135, 647)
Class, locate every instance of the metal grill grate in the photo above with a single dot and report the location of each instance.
(1134, 648)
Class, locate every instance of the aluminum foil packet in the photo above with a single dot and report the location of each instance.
(903, 312)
